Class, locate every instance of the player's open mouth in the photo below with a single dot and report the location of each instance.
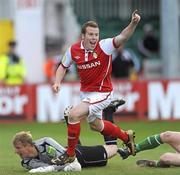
(92, 44)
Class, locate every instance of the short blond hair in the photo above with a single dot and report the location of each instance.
(24, 137)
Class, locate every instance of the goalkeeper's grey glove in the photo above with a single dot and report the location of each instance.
(44, 169)
(74, 166)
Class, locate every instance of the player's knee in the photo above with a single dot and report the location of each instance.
(166, 158)
(95, 127)
(73, 116)
(166, 136)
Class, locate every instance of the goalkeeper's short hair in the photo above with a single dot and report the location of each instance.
(24, 137)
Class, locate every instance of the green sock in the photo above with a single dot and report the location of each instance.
(162, 165)
(149, 143)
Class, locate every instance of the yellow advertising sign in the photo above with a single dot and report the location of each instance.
(6, 34)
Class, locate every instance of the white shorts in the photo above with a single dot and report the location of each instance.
(98, 101)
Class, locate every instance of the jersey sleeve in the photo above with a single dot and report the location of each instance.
(36, 163)
(67, 58)
(107, 45)
(54, 144)
(32, 163)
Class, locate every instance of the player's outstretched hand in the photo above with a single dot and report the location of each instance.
(135, 17)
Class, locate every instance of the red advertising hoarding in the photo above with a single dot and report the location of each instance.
(147, 100)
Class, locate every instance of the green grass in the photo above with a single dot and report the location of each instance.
(10, 162)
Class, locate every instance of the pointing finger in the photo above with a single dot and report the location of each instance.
(135, 11)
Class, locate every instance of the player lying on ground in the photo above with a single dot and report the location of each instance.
(36, 155)
(168, 159)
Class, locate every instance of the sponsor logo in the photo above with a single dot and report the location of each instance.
(163, 104)
(77, 57)
(95, 55)
(12, 101)
(90, 65)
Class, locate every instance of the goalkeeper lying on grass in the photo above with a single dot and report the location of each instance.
(37, 155)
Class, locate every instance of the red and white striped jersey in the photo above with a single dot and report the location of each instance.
(94, 67)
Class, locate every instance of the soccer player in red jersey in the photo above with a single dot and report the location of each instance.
(94, 64)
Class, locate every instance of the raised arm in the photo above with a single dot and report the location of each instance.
(128, 31)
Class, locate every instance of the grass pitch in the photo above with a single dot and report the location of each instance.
(10, 162)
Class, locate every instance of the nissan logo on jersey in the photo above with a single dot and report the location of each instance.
(90, 65)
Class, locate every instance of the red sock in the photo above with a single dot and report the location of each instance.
(73, 137)
(114, 131)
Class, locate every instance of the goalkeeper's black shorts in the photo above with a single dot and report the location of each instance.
(91, 155)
